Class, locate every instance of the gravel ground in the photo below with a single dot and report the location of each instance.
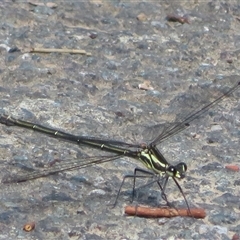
(179, 65)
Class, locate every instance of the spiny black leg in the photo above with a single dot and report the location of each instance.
(163, 195)
(134, 176)
(139, 176)
(180, 189)
(124, 177)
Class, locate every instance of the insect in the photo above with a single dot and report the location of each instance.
(148, 154)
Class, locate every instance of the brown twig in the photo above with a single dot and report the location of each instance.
(176, 18)
(234, 168)
(51, 50)
(164, 212)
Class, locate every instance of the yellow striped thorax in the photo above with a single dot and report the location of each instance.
(154, 160)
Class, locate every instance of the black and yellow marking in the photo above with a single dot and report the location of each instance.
(149, 155)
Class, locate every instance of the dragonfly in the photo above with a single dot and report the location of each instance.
(149, 155)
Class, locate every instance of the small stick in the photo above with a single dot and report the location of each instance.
(234, 168)
(164, 212)
(176, 18)
(58, 50)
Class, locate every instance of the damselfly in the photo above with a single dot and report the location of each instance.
(148, 154)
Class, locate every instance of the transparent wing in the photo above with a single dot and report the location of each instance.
(193, 105)
(60, 166)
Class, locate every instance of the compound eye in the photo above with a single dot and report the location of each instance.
(181, 167)
(185, 166)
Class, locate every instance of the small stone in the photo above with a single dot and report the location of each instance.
(141, 17)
